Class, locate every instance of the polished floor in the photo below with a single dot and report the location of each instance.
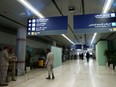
(72, 73)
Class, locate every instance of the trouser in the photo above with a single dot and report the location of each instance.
(87, 59)
(50, 70)
(3, 73)
(11, 71)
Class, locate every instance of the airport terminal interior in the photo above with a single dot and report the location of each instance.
(79, 36)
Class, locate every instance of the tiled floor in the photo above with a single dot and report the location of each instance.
(73, 73)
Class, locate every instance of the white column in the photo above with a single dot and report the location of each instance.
(21, 50)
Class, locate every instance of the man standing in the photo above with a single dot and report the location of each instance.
(4, 62)
(49, 63)
(12, 64)
(87, 56)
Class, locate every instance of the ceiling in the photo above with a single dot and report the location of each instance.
(13, 16)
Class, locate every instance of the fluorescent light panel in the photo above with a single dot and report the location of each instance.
(68, 39)
(31, 8)
(107, 6)
(93, 38)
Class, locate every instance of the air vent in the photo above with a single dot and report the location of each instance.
(71, 9)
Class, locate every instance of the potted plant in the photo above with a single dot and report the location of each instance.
(113, 57)
(108, 54)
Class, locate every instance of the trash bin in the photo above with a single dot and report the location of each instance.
(41, 63)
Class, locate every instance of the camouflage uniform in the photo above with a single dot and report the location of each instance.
(12, 67)
(4, 62)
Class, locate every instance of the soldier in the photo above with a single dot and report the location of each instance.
(49, 63)
(12, 64)
(4, 62)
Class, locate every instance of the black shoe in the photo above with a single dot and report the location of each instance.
(13, 79)
(7, 81)
(48, 78)
(53, 77)
(5, 84)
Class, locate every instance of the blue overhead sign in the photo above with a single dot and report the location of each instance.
(48, 26)
(79, 46)
(85, 47)
(95, 22)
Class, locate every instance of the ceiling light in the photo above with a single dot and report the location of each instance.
(107, 6)
(71, 9)
(31, 8)
(93, 38)
(68, 39)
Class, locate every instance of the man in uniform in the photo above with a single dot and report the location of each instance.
(12, 64)
(49, 63)
(4, 62)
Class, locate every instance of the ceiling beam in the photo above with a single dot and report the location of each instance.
(12, 20)
(56, 40)
(57, 7)
(83, 6)
(109, 35)
(63, 15)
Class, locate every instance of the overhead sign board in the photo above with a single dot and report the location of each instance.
(85, 47)
(79, 46)
(95, 23)
(47, 26)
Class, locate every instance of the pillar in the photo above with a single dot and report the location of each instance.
(100, 48)
(21, 50)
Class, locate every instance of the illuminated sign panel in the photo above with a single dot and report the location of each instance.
(47, 26)
(79, 46)
(85, 47)
(95, 22)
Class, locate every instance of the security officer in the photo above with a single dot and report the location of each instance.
(49, 63)
(4, 62)
(12, 64)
